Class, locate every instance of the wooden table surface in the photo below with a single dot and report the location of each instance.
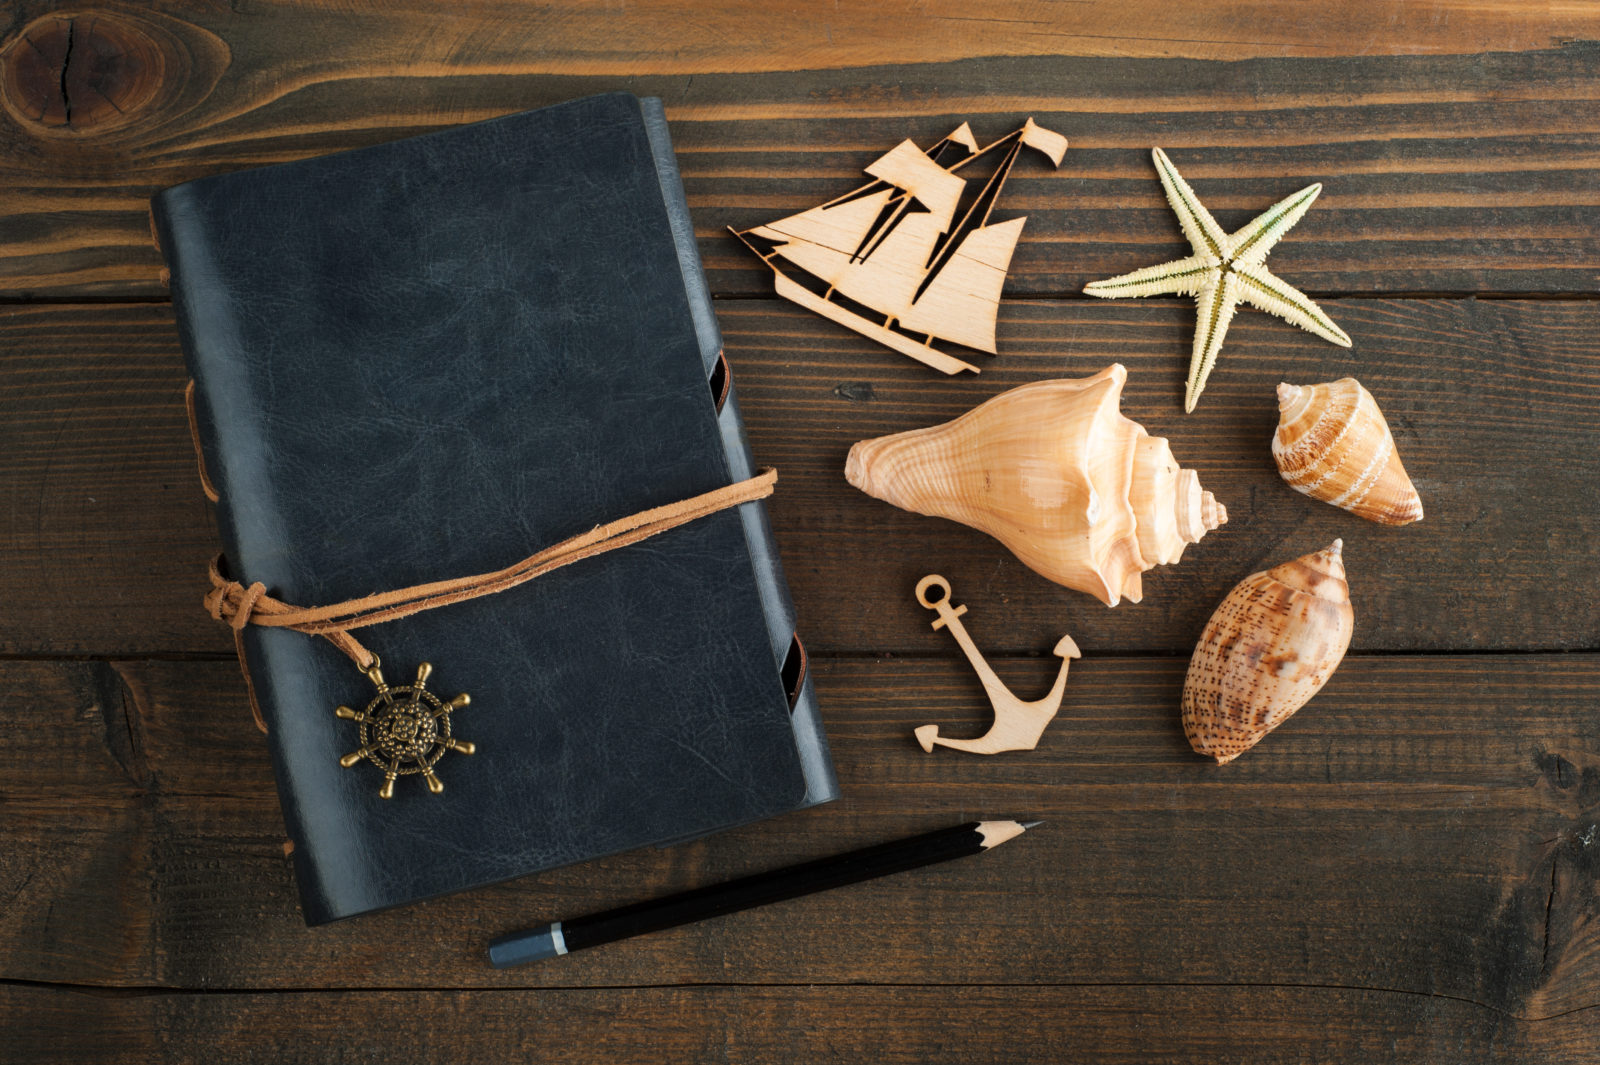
(1407, 871)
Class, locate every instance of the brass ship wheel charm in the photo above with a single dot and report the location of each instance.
(405, 729)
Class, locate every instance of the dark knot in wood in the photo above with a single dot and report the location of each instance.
(92, 72)
(82, 71)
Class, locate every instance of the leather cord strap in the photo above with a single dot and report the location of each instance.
(240, 605)
(194, 438)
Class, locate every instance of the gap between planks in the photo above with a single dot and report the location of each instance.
(866, 655)
(144, 991)
(1063, 296)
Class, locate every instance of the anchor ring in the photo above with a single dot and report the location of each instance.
(930, 581)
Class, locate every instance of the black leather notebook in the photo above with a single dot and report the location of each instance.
(429, 359)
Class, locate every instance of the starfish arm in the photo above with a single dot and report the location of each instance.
(1250, 245)
(1201, 230)
(1185, 277)
(1268, 292)
(1216, 306)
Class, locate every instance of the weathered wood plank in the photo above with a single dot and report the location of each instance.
(590, 36)
(104, 525)
(1443, 173)
(1429, 825)
(782, 1025)
(104, 543)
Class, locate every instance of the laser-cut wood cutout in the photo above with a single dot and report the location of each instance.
(894, 246)
(1017, 724)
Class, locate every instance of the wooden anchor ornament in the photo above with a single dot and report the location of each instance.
(1017, 724)
(894, 246)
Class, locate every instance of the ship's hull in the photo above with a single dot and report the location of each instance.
(923, 353)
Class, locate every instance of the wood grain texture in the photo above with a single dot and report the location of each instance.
(782, 1025)
(1461, 174)
(103, 548)
(104, 517)
(1478, 398)
(1427, 826)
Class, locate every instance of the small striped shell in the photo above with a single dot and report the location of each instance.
(1333, 444)
(1271, 644)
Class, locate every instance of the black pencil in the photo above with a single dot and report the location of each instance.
(564, 937)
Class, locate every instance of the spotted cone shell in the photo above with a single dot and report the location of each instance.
(1054, 471)
(1268, 648)
(1333, 444)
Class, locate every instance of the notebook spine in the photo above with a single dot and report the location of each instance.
(821, 784)
(203, 309)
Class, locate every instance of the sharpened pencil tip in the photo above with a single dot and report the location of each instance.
(1030, 824)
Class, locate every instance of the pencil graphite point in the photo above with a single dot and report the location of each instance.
(1031, 824)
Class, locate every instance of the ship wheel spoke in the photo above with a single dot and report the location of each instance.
(389, 775)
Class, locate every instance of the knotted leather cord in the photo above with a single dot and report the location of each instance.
(240, 605)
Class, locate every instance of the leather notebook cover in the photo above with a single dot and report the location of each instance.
(429, 359)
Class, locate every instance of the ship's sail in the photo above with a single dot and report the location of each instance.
(962, 135)
(822, 240)
(961, 301)
(887, 279)
(908, 167)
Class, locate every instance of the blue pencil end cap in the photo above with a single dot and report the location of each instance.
(519, 948)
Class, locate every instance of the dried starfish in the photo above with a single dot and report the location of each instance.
(1224, 270)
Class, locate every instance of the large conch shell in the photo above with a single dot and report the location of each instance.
(1271, 645)
(1055, 472)
(1333, 444)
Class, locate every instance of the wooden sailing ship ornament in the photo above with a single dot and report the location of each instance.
(1017, 724)
(1053, 470)
(1271, 645)
(1226, 269)
(909, 247)
(1333, 444)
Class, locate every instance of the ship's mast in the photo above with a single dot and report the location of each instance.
(946, 248)
(898, 204)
